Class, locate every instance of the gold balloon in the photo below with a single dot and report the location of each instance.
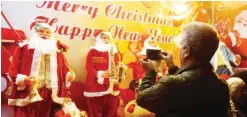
(176, 22)
(148, 4)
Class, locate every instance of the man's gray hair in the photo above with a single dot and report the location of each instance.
(202, 40)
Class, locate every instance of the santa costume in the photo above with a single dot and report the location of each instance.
(138, 71)
(41, 74)
(236, 40)
(99, 100)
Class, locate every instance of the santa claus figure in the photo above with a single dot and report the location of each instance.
(40, 73)
(151, 43)
(138, 71)
(100, 58)
(236, 40)
(69, 109)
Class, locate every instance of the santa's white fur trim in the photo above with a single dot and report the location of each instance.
(20, 79)
(100, 80)
(18, 102)
(233, 38)
(22, 44)
(96, 94)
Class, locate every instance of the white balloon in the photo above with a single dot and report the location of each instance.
(4, 83)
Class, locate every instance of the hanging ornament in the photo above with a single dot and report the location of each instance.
(148, 4)
(177, 22)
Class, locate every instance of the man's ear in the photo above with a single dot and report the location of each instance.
(187, 51)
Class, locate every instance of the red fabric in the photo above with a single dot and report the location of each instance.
(240, 47)
(225, 76)
(76, 91)
(97, 61)
(131, 108)
(59, 113)
(27, 82)
(21, 64)
(97, 32)
(44, 107)
(138, 72)
(127, 95)
(9, 34)
(243, 64)
(227, 41)
(105, 106)
(26, 111)
(67, 115)
(7, 50)
(37, 109)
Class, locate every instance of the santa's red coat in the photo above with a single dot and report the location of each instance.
(97, 61)
(237, 45)
(21, 64)
(138, 71)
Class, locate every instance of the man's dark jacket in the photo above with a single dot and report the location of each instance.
(193, 91)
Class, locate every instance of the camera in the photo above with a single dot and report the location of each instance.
(154, 54)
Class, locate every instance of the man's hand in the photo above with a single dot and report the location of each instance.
(147, 64)
(106, 74)
(167, 57)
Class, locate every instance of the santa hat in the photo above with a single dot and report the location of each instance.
(144, 36)
(98, 33)
(39, 25)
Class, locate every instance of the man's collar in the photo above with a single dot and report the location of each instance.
(195, 65)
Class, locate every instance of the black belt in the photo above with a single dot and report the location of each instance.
(222, 66)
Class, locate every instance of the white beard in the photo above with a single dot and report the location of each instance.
(44, 46)
(241, 29)
(240, 26)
